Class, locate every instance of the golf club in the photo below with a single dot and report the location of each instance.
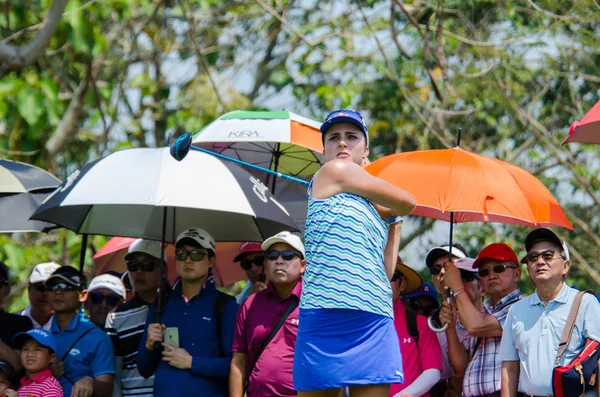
(181, 147)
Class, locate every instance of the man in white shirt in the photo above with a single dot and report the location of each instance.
(39, 310)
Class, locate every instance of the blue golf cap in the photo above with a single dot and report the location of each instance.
(40, 335)
(345, 116)
(426, 289)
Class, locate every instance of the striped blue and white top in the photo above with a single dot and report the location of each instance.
(345, 238)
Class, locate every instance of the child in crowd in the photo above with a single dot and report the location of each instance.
(38, 352)
(7, 378)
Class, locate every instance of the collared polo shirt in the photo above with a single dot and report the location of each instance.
(27, 313)
(12, 324)
(272, 375)
(484, 371)
(532, 332)
(91, 356)
(41, 385)
(415, 358)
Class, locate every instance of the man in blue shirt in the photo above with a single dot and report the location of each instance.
(199, 366)
(535, 324)
(86, 363)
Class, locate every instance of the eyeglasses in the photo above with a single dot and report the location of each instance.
(398, 276)
(497, 269)
(435, 270)
(62, 287)
(111, 300)
(546, 256)
(196, 255)
(39, 287)
(287, 255)
(147, 266)
(246, 264)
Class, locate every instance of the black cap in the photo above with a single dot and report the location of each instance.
(542, 234)
(9, 370)
(69, 275)
(4, 271)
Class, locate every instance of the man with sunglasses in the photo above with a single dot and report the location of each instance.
(86, 363)
(419, 346)
(199, 365)
(251, 258)
(535, 324)
(477, 356)
(10, 324)
(104, 294)
(268, 372)
(125, 323)
(39, 310)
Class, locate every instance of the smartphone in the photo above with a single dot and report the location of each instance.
(171, 336)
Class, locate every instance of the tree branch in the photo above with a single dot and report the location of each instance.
(17, 56)
(395, 34)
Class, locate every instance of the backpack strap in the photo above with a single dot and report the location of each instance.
(411, 324)
(569, 325)
(219, 308)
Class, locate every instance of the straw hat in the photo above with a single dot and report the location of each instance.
(413, 279)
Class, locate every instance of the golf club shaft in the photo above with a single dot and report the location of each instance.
(256, 167)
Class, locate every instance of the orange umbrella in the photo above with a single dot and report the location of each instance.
(110, 257)
(459, 186)
(588, 129)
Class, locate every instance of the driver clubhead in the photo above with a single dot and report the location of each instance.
(181, 147)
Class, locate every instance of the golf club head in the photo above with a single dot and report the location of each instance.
(181, 147)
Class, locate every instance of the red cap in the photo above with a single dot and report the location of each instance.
(496, 251)
(247, 247)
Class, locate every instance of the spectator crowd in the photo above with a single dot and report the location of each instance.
(85, 339)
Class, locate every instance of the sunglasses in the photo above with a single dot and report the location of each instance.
(3, 283)
(111, 300)
(466, 276)
(497, 269)
(287, 255)
(546, 256)
(195, 255)
(435, 270)
(62, 287)
(39, 287)
(246, 264)
(147, 266)
(398, 276)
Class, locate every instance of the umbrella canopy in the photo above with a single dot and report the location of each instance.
(18, 177)
(127, 193)
(110, 257)
(280, 141)
(588, 129)
(474, 188)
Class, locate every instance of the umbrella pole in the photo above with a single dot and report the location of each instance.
(161, 268)
(84, 240)
(277, 155)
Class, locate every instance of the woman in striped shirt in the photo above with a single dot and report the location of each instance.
(346, 334)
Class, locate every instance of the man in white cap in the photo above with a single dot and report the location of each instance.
(268, 371)
(189, 350)
(125, 324)
(39, 310)
(105, 292)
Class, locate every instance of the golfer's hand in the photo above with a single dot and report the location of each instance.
(83, 388)
(155, 334)
(177, 357)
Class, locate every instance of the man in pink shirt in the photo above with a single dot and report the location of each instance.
(420, 348)
(268, 371)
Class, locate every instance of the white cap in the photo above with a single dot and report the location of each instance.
(110, 282)
(42, 271)
(436, 252)
(200, 236)
(466, 264)
(284, 237)
(148, 247)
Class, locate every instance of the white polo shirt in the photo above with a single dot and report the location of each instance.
(532, 332)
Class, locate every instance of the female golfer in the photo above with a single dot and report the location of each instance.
(346, 335)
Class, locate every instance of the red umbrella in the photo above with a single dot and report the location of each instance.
(110, 257)
(588, 129)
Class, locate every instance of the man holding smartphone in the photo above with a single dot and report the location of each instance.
(251, 259)
(192, 314)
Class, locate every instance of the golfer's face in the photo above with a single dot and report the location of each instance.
(345, 141)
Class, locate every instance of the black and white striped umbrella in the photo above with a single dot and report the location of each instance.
(127, 194)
